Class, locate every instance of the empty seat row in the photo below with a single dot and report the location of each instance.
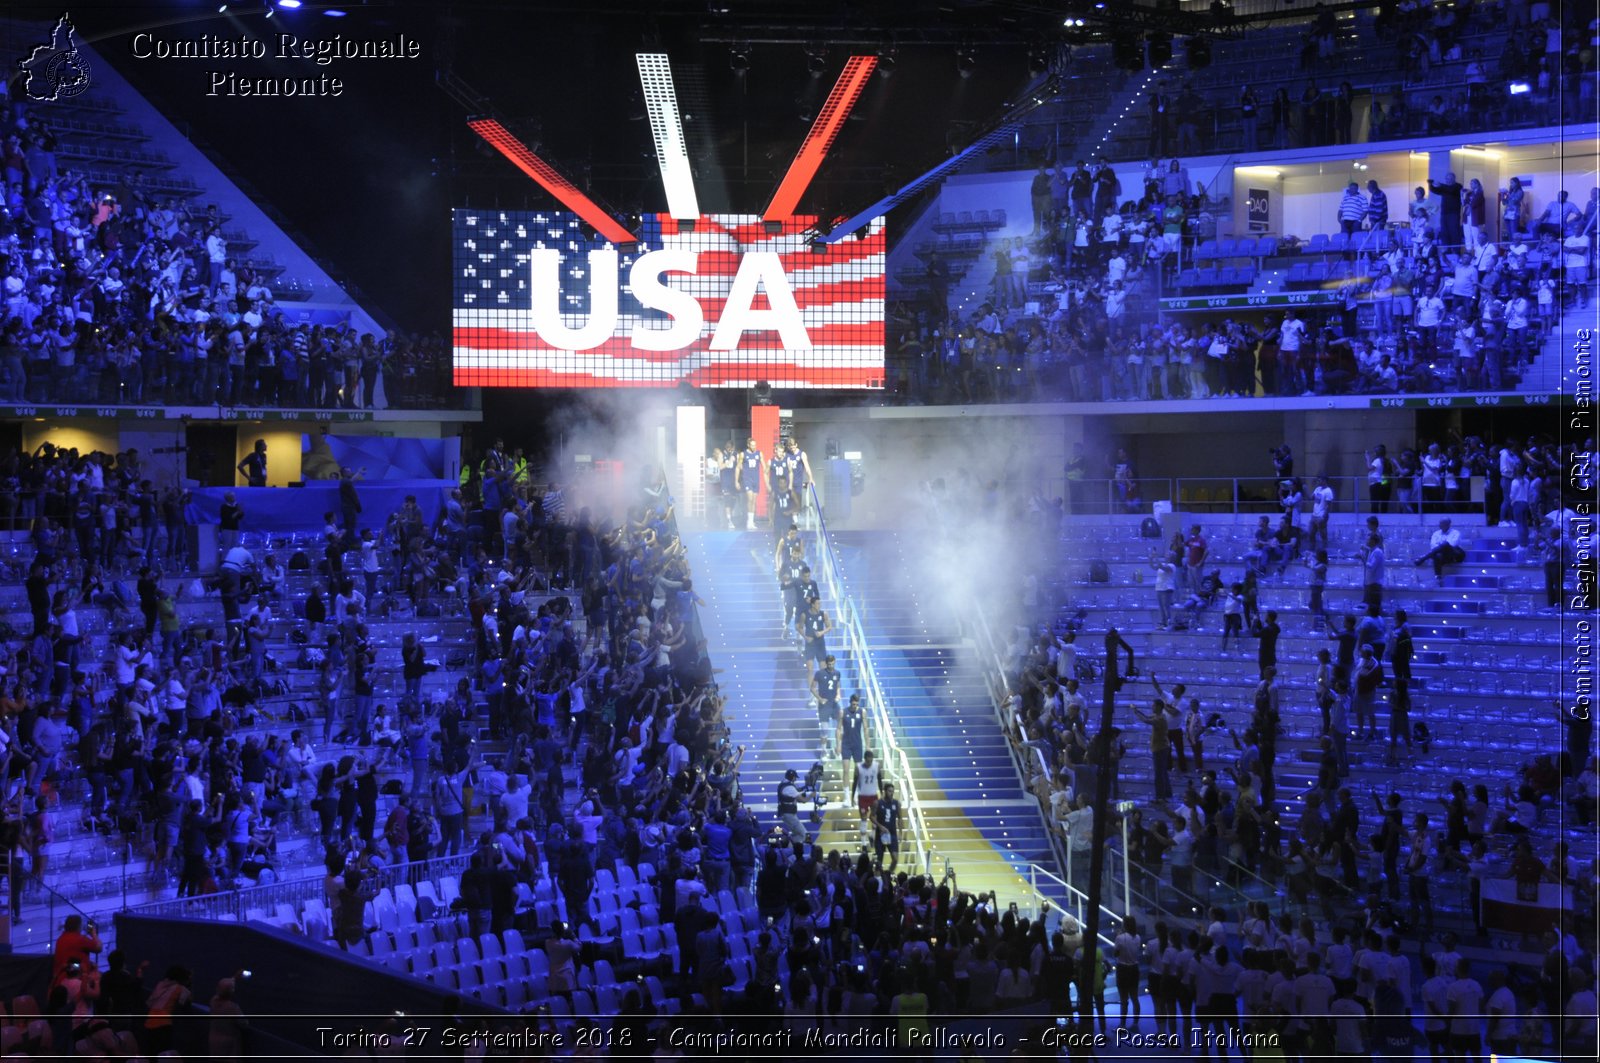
(1244, 247)
(968, 219)
(1211, 277)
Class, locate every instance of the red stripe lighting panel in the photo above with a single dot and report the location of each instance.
(819, 141)
(550, 179)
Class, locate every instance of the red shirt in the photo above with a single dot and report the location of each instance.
(72, 945)
(1197, 548)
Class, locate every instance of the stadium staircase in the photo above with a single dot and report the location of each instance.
(979, 817)
(762, 675)
(1554, 368)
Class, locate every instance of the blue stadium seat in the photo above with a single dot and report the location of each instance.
(1380, 240)
(1318, 245)
(964, 219)
(1207, 278)
(1186, 279)
(1206, 251)
(1299, 273)
(1000, 218)
(1319, 273)
(1338, 243)
(1225, 249)
(1266, 247)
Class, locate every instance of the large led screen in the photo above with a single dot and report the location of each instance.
(541, 302)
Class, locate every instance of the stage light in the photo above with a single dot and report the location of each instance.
(290, 4)
(1160, 47)
(966, 62)
(817, 60)
(334, 12)
(739, 58)
(1197, 50)
(1127, 52)
(666, 126)
(829, 120)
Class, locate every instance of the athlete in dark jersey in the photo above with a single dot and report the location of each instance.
(789, 576)
(747, 477)
(825, 684)
(852, 732)
(816, 625)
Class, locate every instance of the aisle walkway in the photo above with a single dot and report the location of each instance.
(979, 819)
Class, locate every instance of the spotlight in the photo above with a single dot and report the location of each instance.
(817, 60)
(762, 393)
(290, 4)
(888, 59)
(333, 12)
(1038, 61)
(1127, 52)
(1197, 50)
(966, 62)
(1160, 47)
(739, 58)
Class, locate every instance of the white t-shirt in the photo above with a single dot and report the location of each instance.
(1465, 998)
(1290, 334)
(1502, 1008)
(1429, 310)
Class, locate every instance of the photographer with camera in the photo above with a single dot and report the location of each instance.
(75, 949)
(789, 795)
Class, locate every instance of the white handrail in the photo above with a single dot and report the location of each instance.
(1076, 901)
(847, 620)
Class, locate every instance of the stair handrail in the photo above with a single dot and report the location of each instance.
(992, 663)
(847, 621)
(1076, 899)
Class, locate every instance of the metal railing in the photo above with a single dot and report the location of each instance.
(1253, 495)
(54, 900)
(234, 905)
(1076, 901)
(847, 621)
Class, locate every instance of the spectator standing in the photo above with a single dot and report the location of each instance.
(253, 467)
(1248, 119)
(1194, 552)
(1449, 192)
(1352, 210)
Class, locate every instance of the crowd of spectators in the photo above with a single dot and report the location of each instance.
(113, 294)
(1437, 305)
(1357, 863)
(1444, 83)
(587, 675)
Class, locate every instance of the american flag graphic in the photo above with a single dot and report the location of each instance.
(840, 295)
